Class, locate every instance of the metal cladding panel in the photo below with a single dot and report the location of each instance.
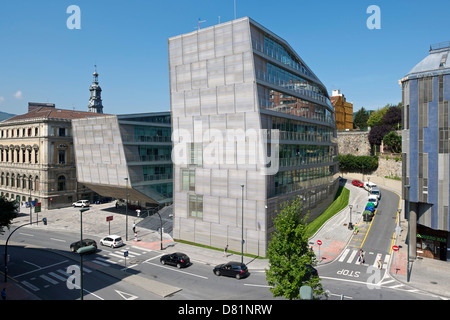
(97, 153)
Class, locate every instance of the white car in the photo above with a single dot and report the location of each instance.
(373, 198)
(81, 203)
(112, 241)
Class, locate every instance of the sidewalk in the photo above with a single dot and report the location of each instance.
(432, 276)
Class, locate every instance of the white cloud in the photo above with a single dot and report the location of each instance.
(2, 99)
(18, 95)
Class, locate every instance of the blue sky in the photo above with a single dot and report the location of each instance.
(41, 60)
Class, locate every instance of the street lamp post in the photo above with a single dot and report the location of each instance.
(242, 214)
(6, 244)
(160, 228)
(350, 225)
(81, 255)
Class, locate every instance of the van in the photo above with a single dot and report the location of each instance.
(375, 191)
(373, 199)
(369, 185)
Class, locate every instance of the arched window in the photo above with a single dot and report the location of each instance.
(36, 183)
(61, 183)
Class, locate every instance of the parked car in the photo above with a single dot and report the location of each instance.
(312, 271)
(81, 203)
(369, 185)
(85, 243)
(232, 269)
(176, 259)
(112, 241)
(375, 191)
(358, 183)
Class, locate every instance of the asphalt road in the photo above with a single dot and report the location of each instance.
(39, 262)
(348, 278)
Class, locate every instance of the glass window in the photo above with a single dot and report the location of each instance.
(188, 180)
(61, 183)
(196, 154)
(196, 206)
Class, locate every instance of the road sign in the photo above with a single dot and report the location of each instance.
(125, 254)
(395, 248)
(319, 242)
(110, 218)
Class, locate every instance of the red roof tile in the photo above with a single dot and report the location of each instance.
(53, 113)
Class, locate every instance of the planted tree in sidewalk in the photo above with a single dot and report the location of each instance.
(8, 212)
(290, 256)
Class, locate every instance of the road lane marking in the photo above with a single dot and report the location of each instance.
(26, 234)
(52, 265)
(352, 256)
(33, 264)
(176, 270)
(48, 279)
(257, 285)
(57, 276)
(30, 286)
(60, 240)
(346, 251)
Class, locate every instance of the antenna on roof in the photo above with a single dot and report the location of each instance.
(234, 9)
(200, 21)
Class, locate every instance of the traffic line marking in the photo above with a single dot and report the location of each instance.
(30, 286)
(352, 256)
(344, 254)
(48, 279)
(57, 276)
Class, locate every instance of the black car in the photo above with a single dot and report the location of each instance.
(86, 242)
(176, 259)
(232, 269)
(311, 271)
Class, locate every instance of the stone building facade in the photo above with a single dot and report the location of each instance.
(37, 157)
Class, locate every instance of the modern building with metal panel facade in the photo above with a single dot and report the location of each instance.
(126, 154)
(426, 152)
(253, 127)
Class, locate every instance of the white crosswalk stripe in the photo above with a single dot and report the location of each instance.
(352, 256)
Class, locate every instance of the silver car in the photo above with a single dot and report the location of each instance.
(112, 241)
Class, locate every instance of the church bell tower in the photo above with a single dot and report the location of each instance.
(95, 102)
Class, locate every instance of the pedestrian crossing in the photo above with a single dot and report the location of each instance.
(60, 276)
(371, 258)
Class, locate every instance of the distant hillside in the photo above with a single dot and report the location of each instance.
(4, 115)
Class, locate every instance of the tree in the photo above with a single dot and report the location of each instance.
(290, 256)
(376, 118)
(393, 141)
(377, 133)
(393, 117)
(361, 117)
(8, 212)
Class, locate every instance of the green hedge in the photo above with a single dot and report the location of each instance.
(351, 163)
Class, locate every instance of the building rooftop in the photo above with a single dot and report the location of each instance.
(50, 112)
(437, 60)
